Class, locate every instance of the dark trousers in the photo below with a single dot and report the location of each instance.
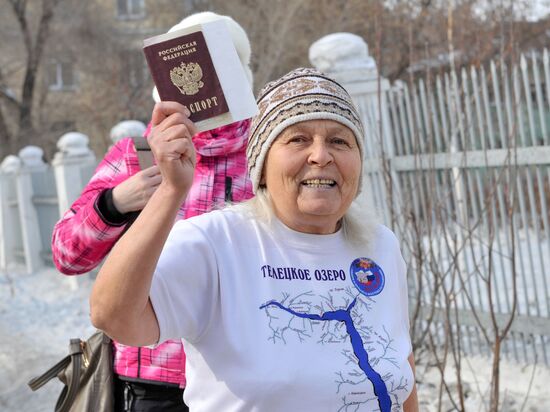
(147, 397)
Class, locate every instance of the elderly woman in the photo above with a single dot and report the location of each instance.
(288, 302)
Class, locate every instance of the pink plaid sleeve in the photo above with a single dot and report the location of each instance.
(83, 237)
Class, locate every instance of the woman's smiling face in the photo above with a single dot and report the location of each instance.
(312, 174)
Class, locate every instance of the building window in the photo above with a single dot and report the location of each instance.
(130, 9)
(61, 75)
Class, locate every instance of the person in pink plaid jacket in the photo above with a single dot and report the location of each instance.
(151, 379)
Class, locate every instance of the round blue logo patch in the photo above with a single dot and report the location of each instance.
(367, 276)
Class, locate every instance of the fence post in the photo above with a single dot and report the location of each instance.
(71, 163)
(345, 57)
(72, 157)
(31, 162)
(127, 128)
(8, 222)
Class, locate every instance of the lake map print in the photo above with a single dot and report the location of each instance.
(342, 316)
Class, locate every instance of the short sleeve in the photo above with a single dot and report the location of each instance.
(184, 289)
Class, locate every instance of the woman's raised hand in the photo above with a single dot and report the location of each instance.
(119, 303)
(171, 143)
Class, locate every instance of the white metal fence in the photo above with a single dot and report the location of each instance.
(459, 166)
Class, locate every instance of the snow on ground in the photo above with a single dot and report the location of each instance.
(524, 388)
(40, 312)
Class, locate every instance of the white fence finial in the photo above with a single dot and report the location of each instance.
(9, 216)
(32, 164)
(32, 157)
(73, 144)
(10, 164)
(71, 167)
(127, 128)
(341, 53)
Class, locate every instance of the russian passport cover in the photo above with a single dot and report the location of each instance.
(199, 68)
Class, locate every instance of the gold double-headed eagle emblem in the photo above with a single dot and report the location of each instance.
(187, 78)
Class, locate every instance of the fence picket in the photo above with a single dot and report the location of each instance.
(538, 241)
(479, 109)
(442, 113)
(433, 118)
(538, 94)
(497, 101)
(510, 139)
(405, 126)
(546, 67)
(528, 99)
(395, 125)
(544, 212)
(425, 112)
(486, 106)
(420, 131)
(470, 143)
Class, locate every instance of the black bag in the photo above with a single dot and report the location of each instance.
(87, 373)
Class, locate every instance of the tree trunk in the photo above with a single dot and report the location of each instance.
(493, 407)
(6, 137)
(26, 129)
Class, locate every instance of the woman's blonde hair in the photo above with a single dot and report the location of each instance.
(358, 227)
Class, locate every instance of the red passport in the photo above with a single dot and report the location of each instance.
(184, 65)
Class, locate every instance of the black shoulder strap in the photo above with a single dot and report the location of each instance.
(144, 153)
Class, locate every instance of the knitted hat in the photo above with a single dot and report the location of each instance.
(302, 94)
(238, 35)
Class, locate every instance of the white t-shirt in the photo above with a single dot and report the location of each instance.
(277, 320)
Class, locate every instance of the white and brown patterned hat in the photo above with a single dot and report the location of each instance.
(303, 94)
